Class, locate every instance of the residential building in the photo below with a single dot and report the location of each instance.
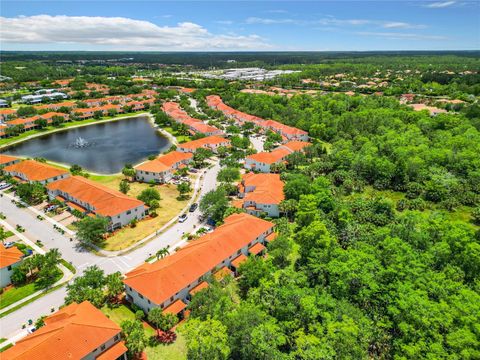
(169, 282)
(209, 142)
(194, 126)
(433, 111)
(89, 197)
(263, 161)
(161, 169)
(6, 160)
(35, 171)
(9, 259)
(6, 114)
(38, 98)
(261, 193)
(288, 132)
(77, 331)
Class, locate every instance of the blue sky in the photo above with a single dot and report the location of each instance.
(240, 25)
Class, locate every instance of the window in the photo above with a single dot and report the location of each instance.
(171, 299)
(116, 337)
(129, 212)
(149, 302)
(140, 295)
(9, 267)
(102, 347)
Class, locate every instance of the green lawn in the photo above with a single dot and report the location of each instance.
(155, 351)
(14, 294)
(180, 138)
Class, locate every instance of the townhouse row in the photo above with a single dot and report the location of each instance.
(264, 161)
(194, 126)
(169, 283)
(77, 331)
(288, 133)
(77, 192)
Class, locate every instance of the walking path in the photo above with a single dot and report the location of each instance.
(67, 274)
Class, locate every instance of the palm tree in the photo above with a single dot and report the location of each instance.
(162, 252)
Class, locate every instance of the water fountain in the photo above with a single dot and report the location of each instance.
(80, 143)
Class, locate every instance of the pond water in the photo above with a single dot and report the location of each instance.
(101, 148)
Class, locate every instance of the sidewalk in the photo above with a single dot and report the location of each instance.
(196, 190)
(67, 274)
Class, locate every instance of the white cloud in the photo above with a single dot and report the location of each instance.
(402, 25)
(401, 36)
(441, 4)
(118, 33)
(332, 21)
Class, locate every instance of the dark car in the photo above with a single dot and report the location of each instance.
(193, 207)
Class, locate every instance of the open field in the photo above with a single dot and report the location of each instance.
(169, 208)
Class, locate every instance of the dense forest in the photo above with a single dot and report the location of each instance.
(379, 253)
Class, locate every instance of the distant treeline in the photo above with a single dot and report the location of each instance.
(218, 59)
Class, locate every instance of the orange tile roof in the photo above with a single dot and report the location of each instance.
(239, 260)
(105, 201)
(199, 287)
(71, 333)
(256, 249)
(272, 157)
(268, 188)
(222, 273)
(204, 142)
(164, 162)
(164, 278)
(7, 158)
(175, 307)
(7, 111)
(296, 145)
(271, 237)
(34, 170)
(284, 129)
(114, 352)
(9, 256)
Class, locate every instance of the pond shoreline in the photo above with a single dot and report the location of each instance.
(33, 136)
(65, 162)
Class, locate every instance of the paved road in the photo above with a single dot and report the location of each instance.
(257, 143)
(10, 324)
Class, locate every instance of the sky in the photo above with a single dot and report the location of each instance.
(157, 25)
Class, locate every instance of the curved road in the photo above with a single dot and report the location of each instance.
(10, 324)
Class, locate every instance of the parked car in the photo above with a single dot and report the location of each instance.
(8, 244)
(193, 207)
(193, 170)
(51, 208)
(4, 186)
(182, 218)
(31, 329)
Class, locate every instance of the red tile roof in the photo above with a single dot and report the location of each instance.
(294, 146)
(272, 157)
(34, 170)
(4, 159)
(239, 260)
(71, 333)
(204, 142)
(164, 278)
(175, 307)
(105, 201)
(9, 256)
(268, 188)
(222, 273)
(114, 352)
(164, 162)
(256, 249)
(199, 287)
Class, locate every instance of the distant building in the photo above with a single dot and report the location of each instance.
(209, 142)
(6, 160)
(3, 103)
(77, 331)
(161, 169)
(35, 99)
(263, 161)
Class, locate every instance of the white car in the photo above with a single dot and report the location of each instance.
(182, 218)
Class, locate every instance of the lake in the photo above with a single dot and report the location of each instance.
(109, 146)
